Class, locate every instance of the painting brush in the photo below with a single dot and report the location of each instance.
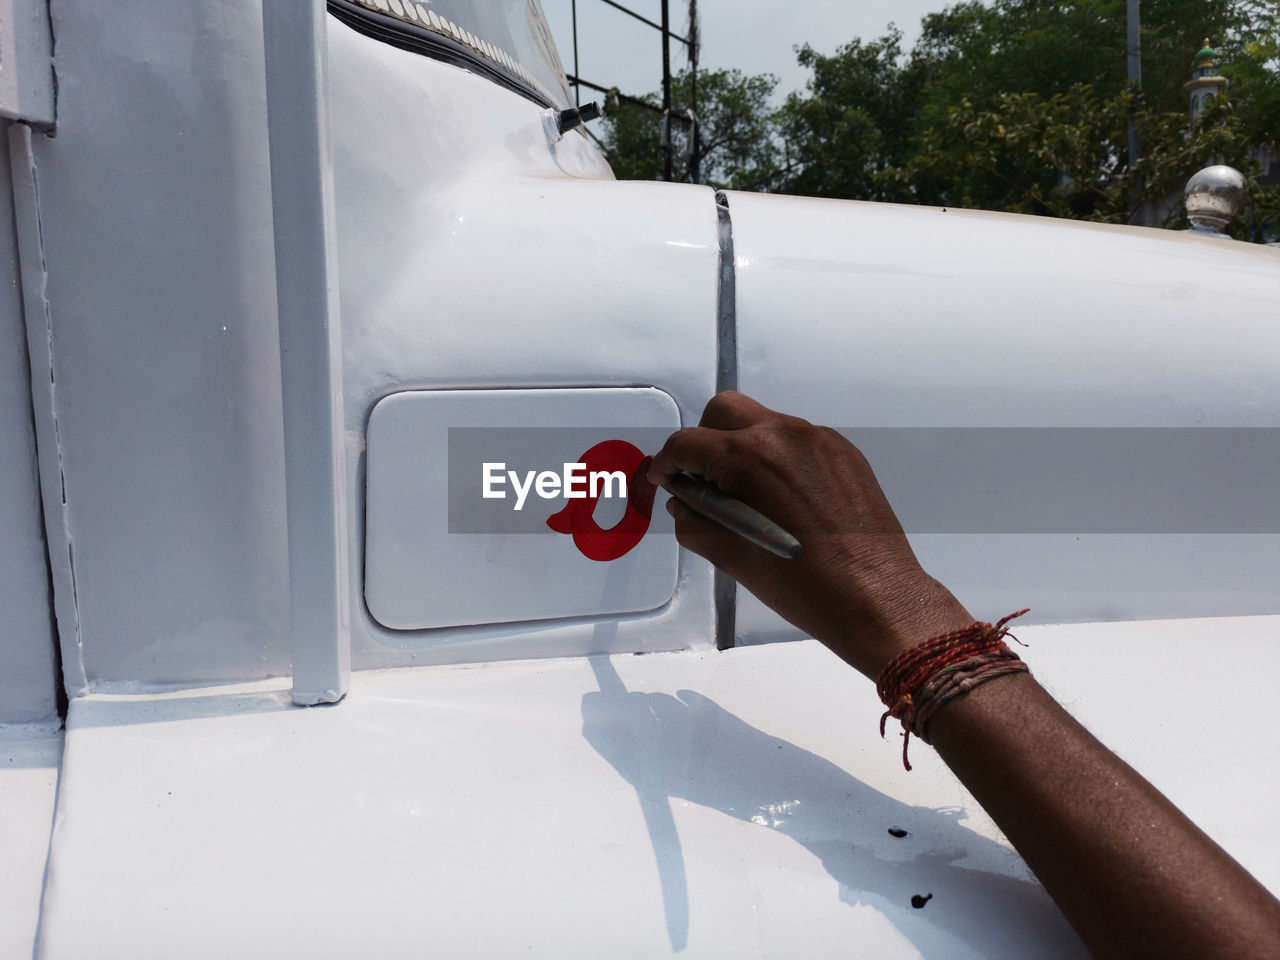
(750, 524)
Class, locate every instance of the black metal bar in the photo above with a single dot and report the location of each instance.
(666, 91)
(621, 96)
(663, 26)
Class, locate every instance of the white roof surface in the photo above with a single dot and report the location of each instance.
(706, 804)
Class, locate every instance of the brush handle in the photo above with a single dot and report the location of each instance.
(733, 514)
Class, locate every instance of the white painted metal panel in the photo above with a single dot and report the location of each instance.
(474, 254)
(873, 315)
(310, 331)
(28, 678)
(154, 223)
(29, 760)
(420, 574)
(699, 805)
(26, 61)
(161, 303)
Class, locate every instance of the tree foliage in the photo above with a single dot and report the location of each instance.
(855, 121)
(1066, 156)
(1018, 105)
(736, 132)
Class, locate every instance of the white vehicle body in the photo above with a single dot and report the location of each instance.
(244, 237)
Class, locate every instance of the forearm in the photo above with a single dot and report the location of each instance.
(1134, 876)
(1131, 873)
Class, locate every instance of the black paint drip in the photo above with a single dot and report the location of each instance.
(897, 832)
(918, 901)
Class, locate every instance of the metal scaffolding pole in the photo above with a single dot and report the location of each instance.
(577, 94)
(1135, 75)
(666, 91)
(695, 144)
(691, 167)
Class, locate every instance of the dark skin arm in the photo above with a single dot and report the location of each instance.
(1131, 873)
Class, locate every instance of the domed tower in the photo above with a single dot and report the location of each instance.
(1205, 81)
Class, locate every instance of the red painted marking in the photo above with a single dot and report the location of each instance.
(577, 518)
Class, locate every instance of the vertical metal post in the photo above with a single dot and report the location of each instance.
(577, 86)
(666, 91)
(1134, 30)
(296, 51)
(695, 145)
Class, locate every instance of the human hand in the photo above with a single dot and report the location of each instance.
(858, 587)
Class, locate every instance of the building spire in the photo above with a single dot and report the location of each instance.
(1205, 80)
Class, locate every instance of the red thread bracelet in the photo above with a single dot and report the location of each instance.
(919, 681)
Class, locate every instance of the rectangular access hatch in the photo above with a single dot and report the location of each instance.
(440, 553)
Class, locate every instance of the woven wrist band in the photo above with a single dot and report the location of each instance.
(918, 682)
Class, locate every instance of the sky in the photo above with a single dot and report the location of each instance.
(755, 36)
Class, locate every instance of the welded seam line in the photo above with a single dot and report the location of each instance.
(39, 323)
(725, 590)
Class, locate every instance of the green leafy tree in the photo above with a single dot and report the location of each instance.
(735, 146)
(631, 138)
(1066, 156)
(853, 121)
(1025, 106)
(1017, 105)
(1252, 65)
(1060, 155)
(1028, 46)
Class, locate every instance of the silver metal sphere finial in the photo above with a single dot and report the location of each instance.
(1213, 197)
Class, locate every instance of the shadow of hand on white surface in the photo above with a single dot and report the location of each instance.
(688, 747)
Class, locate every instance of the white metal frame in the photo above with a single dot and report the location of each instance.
(296, 49)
